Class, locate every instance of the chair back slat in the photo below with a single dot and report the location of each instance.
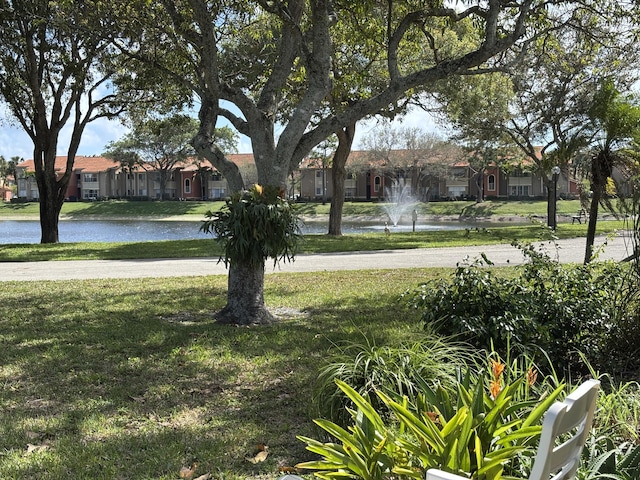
(568, 422)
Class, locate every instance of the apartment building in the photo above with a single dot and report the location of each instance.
(97, 177)
(429, 178)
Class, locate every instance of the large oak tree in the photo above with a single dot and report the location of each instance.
(241, 58)
(56, 71)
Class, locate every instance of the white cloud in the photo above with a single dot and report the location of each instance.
(414, 118)
(96, 136)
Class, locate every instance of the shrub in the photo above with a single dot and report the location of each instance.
(395, 370)
(488, 420)
(559, 309)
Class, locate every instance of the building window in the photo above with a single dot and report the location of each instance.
(141, 177)
(519, 190)
(376, 184)
(217, 192)
(187, 185)
(492, 182)
(90, 178)
(216, 177)
(319, 183)
(88, 194)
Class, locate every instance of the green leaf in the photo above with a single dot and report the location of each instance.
(542, 407)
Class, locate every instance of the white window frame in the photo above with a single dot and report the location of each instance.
(491, 183)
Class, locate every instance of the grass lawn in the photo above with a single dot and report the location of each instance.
(125, 379)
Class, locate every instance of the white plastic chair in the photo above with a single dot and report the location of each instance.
(571, 420)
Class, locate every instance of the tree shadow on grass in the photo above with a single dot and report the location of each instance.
(484, 209)
(126, 379)
(141, 209)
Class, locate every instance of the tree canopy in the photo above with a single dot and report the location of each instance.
(277, 70)
(57, 68)
(160, 144)
(615, 121)
(240, 59)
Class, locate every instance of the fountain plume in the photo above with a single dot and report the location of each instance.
(398, 201)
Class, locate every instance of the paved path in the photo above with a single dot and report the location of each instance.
(568, 251)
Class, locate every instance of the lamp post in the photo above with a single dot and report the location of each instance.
(556, 174)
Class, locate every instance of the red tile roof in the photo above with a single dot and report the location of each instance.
(86, 164)
(101, 164)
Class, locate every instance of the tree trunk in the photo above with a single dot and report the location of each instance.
(49, 216)
(338, 177)
(480, 186)
(51, 200)
(591, 227)
(601, 169)
(245, 297)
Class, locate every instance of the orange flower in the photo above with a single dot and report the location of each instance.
(494, 388)
(433, 416)
(496, 368)
(532, 375)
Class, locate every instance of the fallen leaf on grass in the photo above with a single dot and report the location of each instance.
(188, 472)
(286, 469)
(31, 448)
(261, 456)
(206, 476)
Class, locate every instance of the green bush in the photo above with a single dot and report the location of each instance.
(559, 309)
(395, 370)
(490, 419)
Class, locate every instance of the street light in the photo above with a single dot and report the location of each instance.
(556, 174)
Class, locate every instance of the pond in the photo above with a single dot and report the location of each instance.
(28, 231)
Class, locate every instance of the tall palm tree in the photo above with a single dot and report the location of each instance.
(616, 120)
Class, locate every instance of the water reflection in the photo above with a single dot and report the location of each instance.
(28, 231)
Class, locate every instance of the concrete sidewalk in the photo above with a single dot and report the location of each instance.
(567, 251)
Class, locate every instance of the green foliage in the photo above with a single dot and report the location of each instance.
(395, 370)
(161, 142)
(559, 309)
(254, 225)
(601, 458)
(474, 430)
(8, 168)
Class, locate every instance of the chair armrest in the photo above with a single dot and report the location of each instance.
(435, 474)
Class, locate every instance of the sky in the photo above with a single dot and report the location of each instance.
(15, 142)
